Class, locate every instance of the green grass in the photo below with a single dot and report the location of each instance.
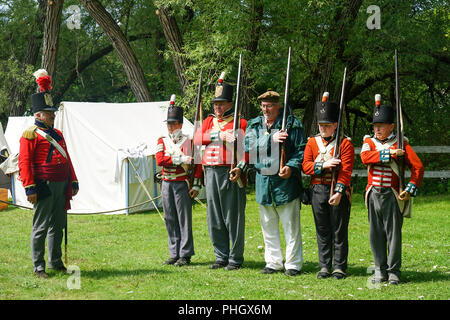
(120, 258)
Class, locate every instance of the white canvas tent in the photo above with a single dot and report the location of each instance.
(4, 179)
(102, 139)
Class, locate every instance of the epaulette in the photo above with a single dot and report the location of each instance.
(30, 133)
(367, 136)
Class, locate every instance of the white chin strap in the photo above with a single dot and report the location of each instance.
(176, 134)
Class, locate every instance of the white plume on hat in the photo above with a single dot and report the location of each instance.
(40, 73)
(377, 99)
(222, 76)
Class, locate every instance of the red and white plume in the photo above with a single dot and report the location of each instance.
(172, 100)
(43, 80)
(325, 96)
(378, 100)
(222, 76)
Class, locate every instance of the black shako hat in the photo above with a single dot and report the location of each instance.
(224, 91)
(174, 113)
(327, 111)
(382, 113)
(42, 101)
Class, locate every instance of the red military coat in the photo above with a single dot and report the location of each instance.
(35, 161)
(376, 155)
(218, 152)
(313, 166)
(169, 160)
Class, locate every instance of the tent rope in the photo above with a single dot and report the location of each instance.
(145, 188)
(84, 213)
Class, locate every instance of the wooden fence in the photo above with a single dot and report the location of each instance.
(443, 174)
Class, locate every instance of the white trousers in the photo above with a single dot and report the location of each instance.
(289, 214)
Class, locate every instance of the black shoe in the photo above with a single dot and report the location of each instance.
(170, 261)
(393, 279)
(182, 262)
(323, 273)
(292, 272)
(61, 268)
(41, 274)
(268, 270)
(377, 280)
(233, 266)
(338, 274)
(217, 265)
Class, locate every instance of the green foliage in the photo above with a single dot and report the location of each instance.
(12, 75)
(215, 33)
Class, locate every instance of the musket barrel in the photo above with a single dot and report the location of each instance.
(236, 104)
(196, 125)
(339, 136)
(398, 107)
(336, 152)
(286, 91)
(236, 120)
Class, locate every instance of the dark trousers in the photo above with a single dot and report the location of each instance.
(177, 207)
(49, 221)
(331, 228)
(225, 215)
(385, 221)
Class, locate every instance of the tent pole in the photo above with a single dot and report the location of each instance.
(128, 186)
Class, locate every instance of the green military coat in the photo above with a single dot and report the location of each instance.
(265, 156)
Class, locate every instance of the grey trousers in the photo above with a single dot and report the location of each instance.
(385, 221)
(331, 228)
(225, 215)
(177, 207)
(49, 221)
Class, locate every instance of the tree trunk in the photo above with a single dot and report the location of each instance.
(51, 36)
(82, 65)
(120, 43)
(175, 40)
(20, 92)
(256, 16)
(321, 79)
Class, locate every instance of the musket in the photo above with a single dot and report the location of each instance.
(65, 243)
(339, 136)
(285, 111)
(400, 144)
(197, 120)
(237, 122)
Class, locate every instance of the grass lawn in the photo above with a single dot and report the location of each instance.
(119, 257)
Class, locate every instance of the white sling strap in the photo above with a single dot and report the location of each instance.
(52, 141)
(379, 146)
(324, 152)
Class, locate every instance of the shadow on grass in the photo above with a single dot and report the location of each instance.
(107, 273)
(418, 277)
(308, 267)
(406, 276)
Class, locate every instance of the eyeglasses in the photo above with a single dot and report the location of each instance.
(268, 106)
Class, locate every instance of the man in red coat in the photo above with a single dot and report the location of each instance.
(48, 177)
(331, 215)
(225, 188)
(385, 205)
